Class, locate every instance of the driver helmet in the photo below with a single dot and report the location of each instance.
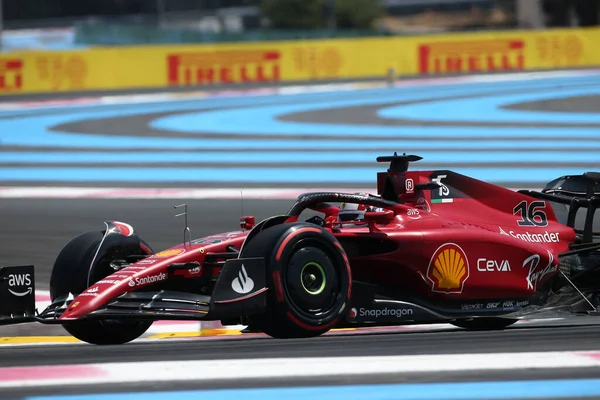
(352, 212)
(355, 212)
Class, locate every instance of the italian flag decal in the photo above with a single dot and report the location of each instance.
(445, 200)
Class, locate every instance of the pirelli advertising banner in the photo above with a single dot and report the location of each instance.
(204, 65)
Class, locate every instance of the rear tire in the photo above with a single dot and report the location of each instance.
(308, 276)
(485, 324)
(70, 275)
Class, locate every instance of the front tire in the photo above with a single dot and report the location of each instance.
(70, 275)
(308, 276)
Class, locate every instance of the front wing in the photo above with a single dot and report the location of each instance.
(239, 291)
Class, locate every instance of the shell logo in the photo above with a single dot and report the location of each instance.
(169, 253)
(448, 269)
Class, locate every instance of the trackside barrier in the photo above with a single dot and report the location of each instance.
(112, 68)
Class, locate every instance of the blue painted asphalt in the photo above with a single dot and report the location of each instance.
(257, 121)
(259, 115)
(488, 109)
(291, 175)
(106, 142)
(364, 156)
(259, 99)
(542, 389)
(263, 120)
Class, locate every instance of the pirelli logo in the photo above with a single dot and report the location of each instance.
(11, 74)
(222, 67)
(471, 56)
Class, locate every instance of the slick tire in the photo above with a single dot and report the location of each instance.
(309, 280)
(69, 275)
(484, 324)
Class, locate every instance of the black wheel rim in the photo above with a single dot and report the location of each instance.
(312, 280)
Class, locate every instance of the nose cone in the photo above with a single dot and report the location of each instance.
(149, 271)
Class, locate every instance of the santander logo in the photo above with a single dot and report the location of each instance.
(243, 283)
(147, 280)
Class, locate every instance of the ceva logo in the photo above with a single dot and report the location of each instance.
(485, 265)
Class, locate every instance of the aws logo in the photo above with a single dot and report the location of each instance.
(19, 281)
(448, 269)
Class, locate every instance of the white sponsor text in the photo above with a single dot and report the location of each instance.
(485, 265)
(385, 312)
(535, 275)
(545, 237)
(19, 280)
(148, 280)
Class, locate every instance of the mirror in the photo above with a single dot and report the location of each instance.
(380, 217)
(247, 222)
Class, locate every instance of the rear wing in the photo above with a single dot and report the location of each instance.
(576, 192)
(585, 185)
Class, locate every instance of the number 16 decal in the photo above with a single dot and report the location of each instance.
(531, 215)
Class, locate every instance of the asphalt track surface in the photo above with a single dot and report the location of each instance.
(404, 343)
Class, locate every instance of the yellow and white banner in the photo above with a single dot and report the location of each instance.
(106, 68)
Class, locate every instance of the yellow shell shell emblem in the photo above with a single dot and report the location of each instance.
(169, 253)
(448, 269)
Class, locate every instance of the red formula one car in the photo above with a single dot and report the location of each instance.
(432, 246)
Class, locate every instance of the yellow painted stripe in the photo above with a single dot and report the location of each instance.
(203, 332)
(166, 335)
(37, 339)
(215, 332)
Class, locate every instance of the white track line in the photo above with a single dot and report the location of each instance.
(273, 368)
(157, 193)
(18, 192)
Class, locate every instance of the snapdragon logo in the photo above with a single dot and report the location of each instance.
(385, 312)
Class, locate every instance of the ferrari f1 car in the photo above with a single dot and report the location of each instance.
(429, 247)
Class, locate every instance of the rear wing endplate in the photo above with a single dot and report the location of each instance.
(575, 191)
